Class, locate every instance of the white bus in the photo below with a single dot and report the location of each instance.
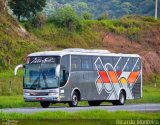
(73, 75)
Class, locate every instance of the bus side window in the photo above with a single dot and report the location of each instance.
(129, 65)
(108, 60)
(86, 63)
(138, 65)
(64, 70)
(120, 65)
(94, 58)
(76, 63)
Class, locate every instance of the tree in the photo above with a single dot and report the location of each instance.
(81, 7)
(26, 8)
(104, 16)
(86, 15)
(67, 17)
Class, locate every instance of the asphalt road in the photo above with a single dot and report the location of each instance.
(133, 107)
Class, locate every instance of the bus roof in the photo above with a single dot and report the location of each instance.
(76, 51)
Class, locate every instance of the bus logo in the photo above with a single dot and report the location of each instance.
(111, 80)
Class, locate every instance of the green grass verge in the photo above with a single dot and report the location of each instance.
(15, 101)
(150, 94)
(92, 114)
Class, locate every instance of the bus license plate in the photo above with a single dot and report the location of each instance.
(39, 98)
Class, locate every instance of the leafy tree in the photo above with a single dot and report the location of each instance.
(67, 17)
(115, 8)
(26, 8)
(104, 16)
(87, 15)
(80, 7)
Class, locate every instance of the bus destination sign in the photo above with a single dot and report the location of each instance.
(37, 60)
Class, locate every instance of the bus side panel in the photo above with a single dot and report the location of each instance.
(93, 86)
(85, 82)
(136, 90)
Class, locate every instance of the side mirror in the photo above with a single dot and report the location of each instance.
(17, 67)
(58, 70)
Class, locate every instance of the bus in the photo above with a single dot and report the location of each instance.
(73, 75)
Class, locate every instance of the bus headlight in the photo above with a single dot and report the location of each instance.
(27, 94)
(51, 94)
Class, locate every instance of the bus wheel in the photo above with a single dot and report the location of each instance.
(94, 103)
(122, 99)
(45, 104)
(74, 101)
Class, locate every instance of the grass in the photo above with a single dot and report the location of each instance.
(96, 114)
(92, 117)
(15, 101)
(150, 94)
(9, 84)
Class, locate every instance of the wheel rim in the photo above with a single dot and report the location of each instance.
(75, 100)
(122, 99)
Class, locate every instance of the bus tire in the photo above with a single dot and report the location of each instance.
(74, 101)
(94, 103)
(121, 100)
(45, 104)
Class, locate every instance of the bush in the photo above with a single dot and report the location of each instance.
(27, 26)
(66, 17)
(86, 15)
(104, 16)
(38, 20)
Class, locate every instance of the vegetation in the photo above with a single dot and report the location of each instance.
(92, 114)
(14, 43)
(104, 16)
(66, 17)
(114, 8)
(26, 8)
(87, 16)
(38, 20)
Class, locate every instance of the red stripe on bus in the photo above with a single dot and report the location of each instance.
(104, 76)
(118, 73)
(133, 76)
(113, 76)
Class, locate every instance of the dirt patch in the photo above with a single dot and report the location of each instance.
(148, 49)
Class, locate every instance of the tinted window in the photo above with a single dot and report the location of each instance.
(136, 64)
(76, 63)
(121, 64)
(86, 63)
(64, 71)
(65, 62)
(98, 65)
(108, 60)
(115, 60)
(129, 65)
(94, 58)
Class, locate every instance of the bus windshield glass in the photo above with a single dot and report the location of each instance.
(41, 74)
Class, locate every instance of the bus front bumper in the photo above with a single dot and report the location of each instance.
(41, 98)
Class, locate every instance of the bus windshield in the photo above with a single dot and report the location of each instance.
(40, 76)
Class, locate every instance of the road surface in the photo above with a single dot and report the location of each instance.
(131, 107)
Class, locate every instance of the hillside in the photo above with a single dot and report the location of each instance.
(128, 35)
(131, 34)
(114, 8)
